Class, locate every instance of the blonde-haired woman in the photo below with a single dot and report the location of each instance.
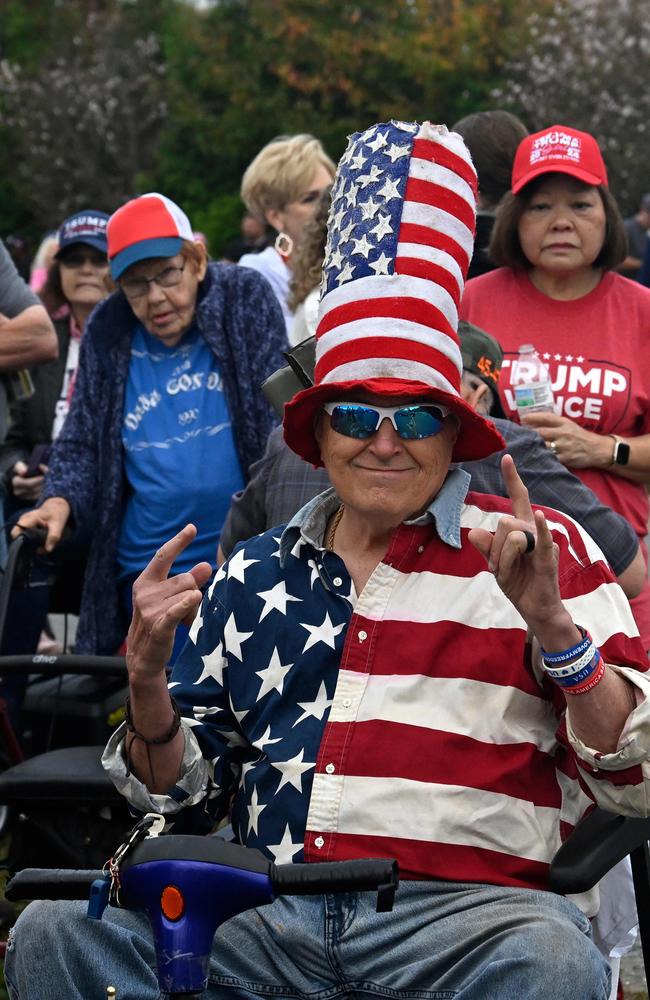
(282, 186)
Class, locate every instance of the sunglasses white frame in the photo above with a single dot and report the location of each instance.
(387, 412)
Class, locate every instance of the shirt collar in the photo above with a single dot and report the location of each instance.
(444, 510)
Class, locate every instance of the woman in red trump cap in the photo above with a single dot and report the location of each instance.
(166, 415)
(558, 237)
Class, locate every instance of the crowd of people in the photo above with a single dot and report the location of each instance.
(403, 619)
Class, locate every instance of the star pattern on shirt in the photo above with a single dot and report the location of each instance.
(286, 850)
(237, 565)
(292, 771)
(265, 739)
(254, 807)
(314, 709)
(234, 638)
(326, 632)
(272, 677)
(276, 599)
(213, 666)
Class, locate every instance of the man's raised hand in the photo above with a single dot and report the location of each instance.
(527, 576)
(161, 603)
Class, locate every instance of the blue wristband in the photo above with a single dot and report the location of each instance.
(576, 679)
(569, 654)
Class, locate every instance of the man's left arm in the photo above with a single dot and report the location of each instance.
(608, 722)
(27, 336)
(27, 340)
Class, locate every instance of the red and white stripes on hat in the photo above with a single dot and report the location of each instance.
(397, 257)
(400, 239)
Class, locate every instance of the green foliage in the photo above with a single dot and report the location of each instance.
(239, 72)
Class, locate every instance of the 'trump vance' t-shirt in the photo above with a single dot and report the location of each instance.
(180, 460)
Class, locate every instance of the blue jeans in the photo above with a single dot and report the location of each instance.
(442, 941)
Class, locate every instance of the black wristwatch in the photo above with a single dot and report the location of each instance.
(621, 455)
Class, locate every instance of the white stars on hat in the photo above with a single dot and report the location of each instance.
(389, 191)
(395, 152)
(362, 246)
(382, 228)
(381, 265)
(371, 177)
(378, 142)
(369, 208)
(345, 273)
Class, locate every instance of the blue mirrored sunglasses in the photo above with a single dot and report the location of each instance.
(361, 420)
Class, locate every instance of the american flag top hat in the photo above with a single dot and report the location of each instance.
(400, 239)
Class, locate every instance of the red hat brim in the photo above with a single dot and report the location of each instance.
(476, 439)
(580, 174)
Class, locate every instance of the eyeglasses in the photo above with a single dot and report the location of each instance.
(135, 288)
(361, 420)
(77, 258)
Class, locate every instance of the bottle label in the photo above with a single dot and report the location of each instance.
(534, 396)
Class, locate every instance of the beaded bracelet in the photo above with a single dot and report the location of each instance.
(568, 654)
(149, 741)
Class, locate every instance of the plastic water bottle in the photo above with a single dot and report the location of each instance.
(531, 383)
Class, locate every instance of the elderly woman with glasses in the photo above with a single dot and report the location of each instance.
(166, 415)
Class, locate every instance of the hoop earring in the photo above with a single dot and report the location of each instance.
(284, 245)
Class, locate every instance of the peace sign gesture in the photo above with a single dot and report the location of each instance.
(523, 556)
(160, 603)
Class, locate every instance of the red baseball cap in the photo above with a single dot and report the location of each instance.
(145, 227)
(558, 149)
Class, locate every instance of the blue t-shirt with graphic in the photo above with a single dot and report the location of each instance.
(180, 459)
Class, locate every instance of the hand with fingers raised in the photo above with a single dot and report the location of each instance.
(524, 560)
(160, 604)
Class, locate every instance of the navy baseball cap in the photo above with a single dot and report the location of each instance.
(87, 227)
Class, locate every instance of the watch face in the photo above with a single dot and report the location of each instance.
(622, 455)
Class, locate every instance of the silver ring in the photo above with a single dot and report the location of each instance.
(552, 446)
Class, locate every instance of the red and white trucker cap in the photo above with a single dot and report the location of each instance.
(558, 149)
(149, 226)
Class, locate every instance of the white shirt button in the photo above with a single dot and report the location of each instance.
(337, 581)
(347, 702)
(420, 549)
(330, 768)
(319, 842)
(362, 635)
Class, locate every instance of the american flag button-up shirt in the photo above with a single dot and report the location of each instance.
(413, 721)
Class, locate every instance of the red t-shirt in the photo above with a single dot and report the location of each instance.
(597, 351)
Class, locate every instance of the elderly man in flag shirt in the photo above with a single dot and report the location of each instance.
(405, 670)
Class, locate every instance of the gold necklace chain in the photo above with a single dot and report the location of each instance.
(336, 520)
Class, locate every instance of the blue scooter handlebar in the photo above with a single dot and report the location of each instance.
(189, 886)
